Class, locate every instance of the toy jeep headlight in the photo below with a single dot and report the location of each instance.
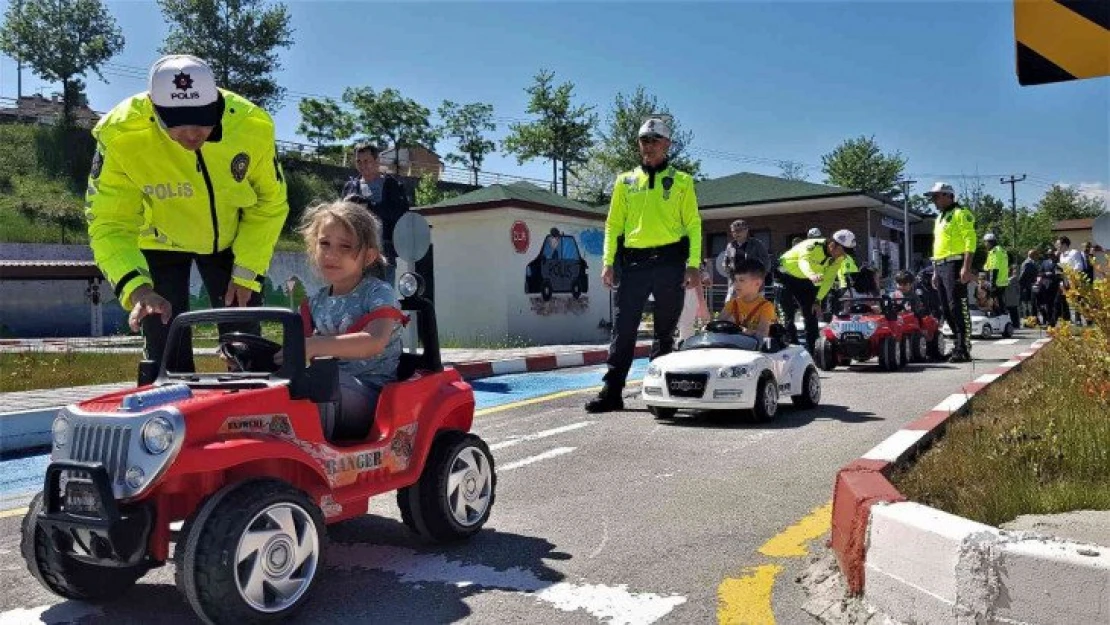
(60, 431)
(738, 371)
(157, 435)
(409, 285)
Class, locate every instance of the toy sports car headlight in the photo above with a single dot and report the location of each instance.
(737, 371)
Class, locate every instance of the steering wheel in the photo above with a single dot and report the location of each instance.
(249, 352)
(723, 326)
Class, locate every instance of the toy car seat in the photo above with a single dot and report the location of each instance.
(776, 338)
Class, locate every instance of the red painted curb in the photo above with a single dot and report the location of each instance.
(862, 483)
(540, 363)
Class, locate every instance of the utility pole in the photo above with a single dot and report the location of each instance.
(1013, 206)
(906, 235)
(18, 63)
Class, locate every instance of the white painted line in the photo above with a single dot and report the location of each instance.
(608, 604)
(1010, 363)
(1007, 342)
(573, 359)
(539, 435)
(987, 378)
(501, 367)
(547, 455)
(65, 612)
(1025, 354)
(952, 403)
(895, 446)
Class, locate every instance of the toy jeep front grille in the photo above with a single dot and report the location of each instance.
(107, 444)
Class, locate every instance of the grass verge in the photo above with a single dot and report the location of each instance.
(28, 371)
(1034, 443)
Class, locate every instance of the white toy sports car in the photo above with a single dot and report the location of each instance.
(985, 326)
(724, 369)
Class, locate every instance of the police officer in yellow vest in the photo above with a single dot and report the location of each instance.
(953, 247)
(806, 272)
(185, 172)
(998, 271)
(654, 219)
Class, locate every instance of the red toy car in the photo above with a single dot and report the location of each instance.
(923, 339)
(256, 464)
(864, 328)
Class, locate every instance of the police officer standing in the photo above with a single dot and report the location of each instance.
(806, 272)
(653, 217)
(998, 271)
(953, 248)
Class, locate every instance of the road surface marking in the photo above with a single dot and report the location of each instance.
(747, 599)
(1006, 342)
(538, 435)
(611, 604)
(793, 541)
(4, 514)
(65, 612)
(551, 453)
(543, 398)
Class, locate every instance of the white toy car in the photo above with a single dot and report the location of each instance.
(985, 326)
(724, 369)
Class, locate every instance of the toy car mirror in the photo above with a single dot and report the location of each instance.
(412, 236)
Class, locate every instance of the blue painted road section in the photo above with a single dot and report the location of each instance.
(21, 477)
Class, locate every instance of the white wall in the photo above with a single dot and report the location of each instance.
(470, 278)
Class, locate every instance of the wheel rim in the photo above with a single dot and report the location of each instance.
(770, 397)
(814, 387)
(986, 331)
(277, 556)
(922, 344)
(469, 486)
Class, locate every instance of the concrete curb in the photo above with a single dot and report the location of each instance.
(918, 564)
(30, 429)
(862, 483)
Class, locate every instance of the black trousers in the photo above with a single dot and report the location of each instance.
(953, 301)
(170, 273)
(797, 292)
(661, 278)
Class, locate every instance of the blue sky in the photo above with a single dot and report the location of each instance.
(756, 82)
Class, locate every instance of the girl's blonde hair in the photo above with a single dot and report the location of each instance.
(362, 224)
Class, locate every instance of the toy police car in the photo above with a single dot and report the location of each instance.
(723, 368)
(984, 325)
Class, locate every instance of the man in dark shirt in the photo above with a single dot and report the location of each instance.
(743, 246)
(383, 195)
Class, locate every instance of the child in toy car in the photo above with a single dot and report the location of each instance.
(355, 317)
(748, 309)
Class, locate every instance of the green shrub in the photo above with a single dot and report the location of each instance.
(305, 190)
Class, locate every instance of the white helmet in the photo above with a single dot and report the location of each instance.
(814, 233)
(989, 237)
(845, 238)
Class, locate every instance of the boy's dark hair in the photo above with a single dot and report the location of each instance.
(749, 267)
(367, 147)
(903, 277)
(1065, 240)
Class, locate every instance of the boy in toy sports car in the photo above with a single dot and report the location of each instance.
(748, 309)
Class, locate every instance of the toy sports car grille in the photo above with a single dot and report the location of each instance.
(107, 444)
(686, 384)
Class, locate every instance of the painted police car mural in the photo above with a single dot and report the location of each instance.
(558, 268)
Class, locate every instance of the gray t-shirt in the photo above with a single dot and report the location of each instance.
(332, 316)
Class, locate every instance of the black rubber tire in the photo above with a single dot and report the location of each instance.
(66, 576)
(660, 412)
(805, 399)
(205, 572)
(825, 354)
(424, 506)
(759, 410)
(545, 291)
(888, 354)
(575, 290)
(918, 347)
(936, 348)
(1008, 331)
(987, 332)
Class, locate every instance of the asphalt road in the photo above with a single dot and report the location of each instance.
(614, 518)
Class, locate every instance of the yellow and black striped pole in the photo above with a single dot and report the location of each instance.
(1060, 40)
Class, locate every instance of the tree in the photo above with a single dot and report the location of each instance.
(1060, 203)
(792, 170)
(618, 149)
(238, 38)
(466, 123)
(388, 117)
(562, 133)
(859, 164)
(428, 191)
(324, 121)
(61, 42)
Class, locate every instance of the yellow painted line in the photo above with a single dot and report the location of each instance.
(747, 600)
(793, 541)
(541, 399)
(1078, 46)
(4, 514)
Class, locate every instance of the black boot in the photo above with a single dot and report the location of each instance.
(608, 400)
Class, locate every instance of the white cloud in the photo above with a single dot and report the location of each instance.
(1098, 190)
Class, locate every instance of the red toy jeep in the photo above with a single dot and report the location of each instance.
(923, 338)
(255, 464)
(865, 327)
